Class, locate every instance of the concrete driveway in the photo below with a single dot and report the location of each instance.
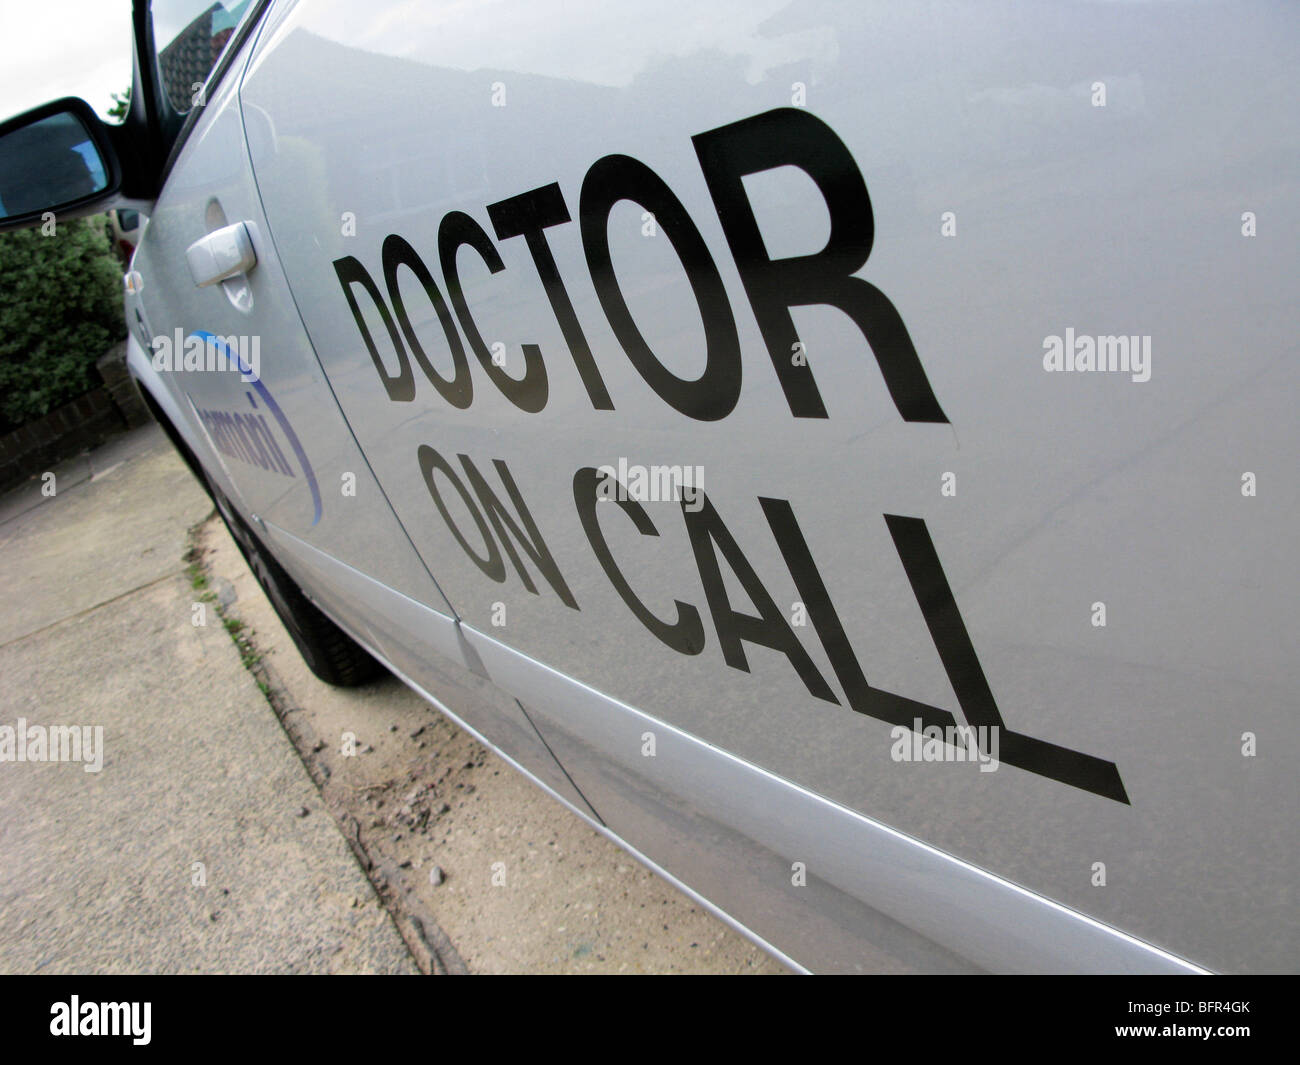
(199, 843)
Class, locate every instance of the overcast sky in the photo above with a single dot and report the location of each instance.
(53, 48)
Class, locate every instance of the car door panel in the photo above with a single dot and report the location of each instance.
(273, 438)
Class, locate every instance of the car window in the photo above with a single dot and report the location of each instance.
(190, 37)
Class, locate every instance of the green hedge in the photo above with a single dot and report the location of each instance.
(60, 310)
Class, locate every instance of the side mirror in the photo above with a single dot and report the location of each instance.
(56, 158)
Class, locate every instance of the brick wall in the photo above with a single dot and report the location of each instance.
(84, 423)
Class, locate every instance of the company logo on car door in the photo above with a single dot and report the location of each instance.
(247, 436)
(783, 137)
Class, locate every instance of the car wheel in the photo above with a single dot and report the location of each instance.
(329, 652)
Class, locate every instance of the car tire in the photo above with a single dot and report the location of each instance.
(330, 653)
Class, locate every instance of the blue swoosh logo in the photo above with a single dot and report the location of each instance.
(234, 357)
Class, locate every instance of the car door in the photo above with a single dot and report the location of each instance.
(234, 355)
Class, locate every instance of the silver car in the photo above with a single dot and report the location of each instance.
(763, 398)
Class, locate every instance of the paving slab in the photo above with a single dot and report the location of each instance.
(197, 841)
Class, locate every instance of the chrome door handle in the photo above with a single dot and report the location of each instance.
(221, 254)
